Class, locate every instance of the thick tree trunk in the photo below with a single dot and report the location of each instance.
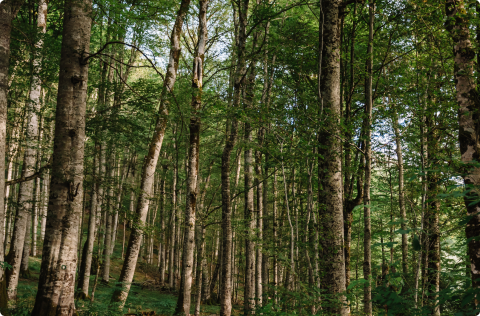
(231, 138)
(334, 280)
(57, 274)
(468, 120)
(150, 164)
(184, 296)
(367, 241)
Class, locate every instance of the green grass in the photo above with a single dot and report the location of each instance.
(163, 303)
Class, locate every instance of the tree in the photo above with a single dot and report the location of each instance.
(184, 297)
(59, 261)
(458, 26)
(150, 164)
(332, 217)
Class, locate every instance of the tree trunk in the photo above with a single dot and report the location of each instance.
(367, 258)
(35, 90)
(108, 223)
(334, 280)
(251, 283)
(184, 296)
(44, 205)
(24, 273)
(128, 269)
(401, 195)
(291, 271)
(432, 266)
(171, 261)
(469, 124)
(21, 233)
(8, 11)
(163, 244)
(57, 274)
(86, 265)
(231, 137)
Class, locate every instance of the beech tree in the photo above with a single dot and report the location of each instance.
(56, 288)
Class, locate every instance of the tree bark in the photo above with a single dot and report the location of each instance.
(171, 261)
(57, 274)
(150, 164)
(86, 265)
(184, 297)
(334, 279)
(8, 11)
(24, 273)
(21, 233)
(367, 241)
(469, 122)
(163, 244)
(108, 224)
(200, 257)
(432, 266)
(401, 194)
(231, 137)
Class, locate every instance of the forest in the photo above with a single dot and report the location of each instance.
(239, 157)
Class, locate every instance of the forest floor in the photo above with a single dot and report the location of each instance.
(141, 299)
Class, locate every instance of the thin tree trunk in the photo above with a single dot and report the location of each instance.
(24, 273)
(260, 203)
(108, 224)
(367, 260)
(163, 244)
(86, 265)
(128, 269)
(291, 270)
(401, 195)
(200, 266)
(231, 137)
(184, 297)
(275, 235)
(57, 273)
(432, 266)
(251, 284)
(171, 276)
(43, 220)
(35, 91)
